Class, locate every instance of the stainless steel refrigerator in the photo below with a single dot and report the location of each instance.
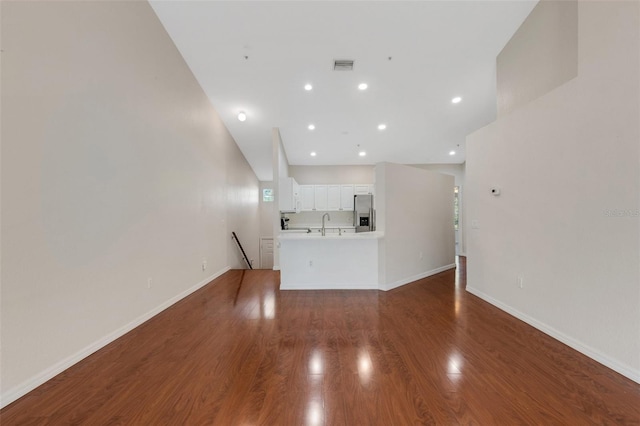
(364, 216)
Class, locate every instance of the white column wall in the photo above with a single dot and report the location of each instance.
(415, 211)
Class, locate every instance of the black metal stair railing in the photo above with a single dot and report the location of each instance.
(235, 237)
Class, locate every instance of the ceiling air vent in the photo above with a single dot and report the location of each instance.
(342, 65)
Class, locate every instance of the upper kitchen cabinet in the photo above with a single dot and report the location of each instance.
(334, 198)
(340, 198)
(346, 197)
(307, 197)
(364, 189)
(289, 195)
(321, 197)
(330, 197)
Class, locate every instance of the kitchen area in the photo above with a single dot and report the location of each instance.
(326, 208)
(328, 237)
(394, 226)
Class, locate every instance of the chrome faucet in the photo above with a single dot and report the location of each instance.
(329, 218)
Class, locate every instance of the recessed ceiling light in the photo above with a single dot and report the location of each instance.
(456, 100)
(362, 153)
(308, 86)
(362, 86)
(382, 126)
(452, 153)
(311, 127)
(313, 153)
(242, 116)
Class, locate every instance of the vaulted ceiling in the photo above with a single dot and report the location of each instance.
(414, 56)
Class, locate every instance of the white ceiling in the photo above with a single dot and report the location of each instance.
(438, 50)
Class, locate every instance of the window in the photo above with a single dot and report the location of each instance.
(267, 195)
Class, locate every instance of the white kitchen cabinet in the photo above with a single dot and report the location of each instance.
(346, 197)
(321, 197)
(362, 189)
(307, 197)
(330, 197)
(339, 197)
(334, 198)
(289, 195)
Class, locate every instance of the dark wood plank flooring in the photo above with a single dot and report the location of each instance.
(425, 353)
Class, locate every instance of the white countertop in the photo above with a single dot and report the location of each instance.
(316, 229)
(294, 231)
(318, 226)
(315, 236)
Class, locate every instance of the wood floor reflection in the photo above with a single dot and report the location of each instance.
(240, 352)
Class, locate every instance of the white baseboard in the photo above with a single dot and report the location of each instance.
(30, 384)
(592, 353)
(391, 286)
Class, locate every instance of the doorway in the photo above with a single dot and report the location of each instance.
(456, 217)
(266, 253)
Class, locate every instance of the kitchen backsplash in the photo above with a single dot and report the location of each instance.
(304, 219)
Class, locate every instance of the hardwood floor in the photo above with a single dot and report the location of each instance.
(425, 353)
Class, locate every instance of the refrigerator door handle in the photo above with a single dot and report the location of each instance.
(371, 219)
(373, 224)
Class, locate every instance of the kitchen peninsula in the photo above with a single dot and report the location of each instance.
(341, 262)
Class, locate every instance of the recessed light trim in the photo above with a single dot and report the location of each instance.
(308, 87)
(456, 100)
(313, 153)
(452, 153)
(363, 86)
(242, 116)
(382, 126)
(362, 153)
(311, 127)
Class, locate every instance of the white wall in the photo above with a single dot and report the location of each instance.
(568, 165)
(243, 207)
(458, 172)
(115, 169)
(280, 171)
(267, 211)
(541, 55)
(414, 210)
(455, 170)
(332, 175)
